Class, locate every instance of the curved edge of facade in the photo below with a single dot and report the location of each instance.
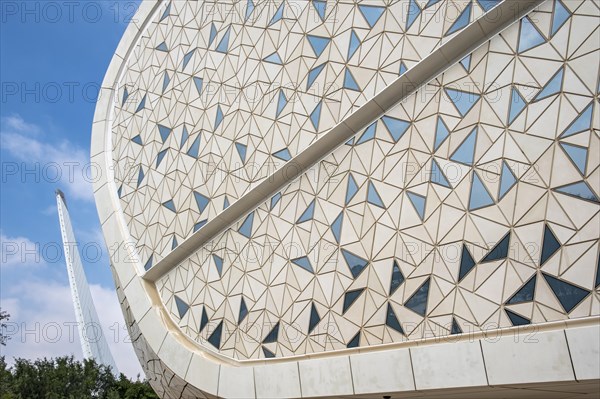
(179, 367)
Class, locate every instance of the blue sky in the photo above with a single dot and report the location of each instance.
(53, 56)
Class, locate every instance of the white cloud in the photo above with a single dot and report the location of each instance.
(43, 320)
(58, 161)
(19, 251)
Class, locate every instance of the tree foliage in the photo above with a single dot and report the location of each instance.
(66, 378)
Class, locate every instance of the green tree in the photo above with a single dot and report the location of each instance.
(66, 378)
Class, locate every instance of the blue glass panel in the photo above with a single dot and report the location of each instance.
(336, 227)
(465, 153)
(182, 307)
(314, 318)
(174, 243)
(304, 263)
(467, 263)
(373, 196)
(321, 8)
(500, 251)
(249, 9)
(350, 82)
(466, 62)
(246, 227)
(507, 180)
(268, 354)
(198, 82)
(283, 154)
(403, 69)
(313, 75)
(397, 278)
(281, 103)
(160, 157)
(561, 14)
(315, 116)
(462, 100)
(392, 321)
(455, 327)
(199, 225)
(166, 13)
(213, 34)
(272, 335)
(308, 214)
(119, 191)
(577, 154)
(243, 312)
(215, 337)
(431, 2)
(226, 203)
(488, 4)
(437, 176)
(569, 295)
(351, 189)
(162, 47)
(148, 263)
(356, 264)
(598, 274)
(218, 117)
(275, 200)
(368, 134)
(203, 319)
(418, 201)
(273, 58)
(462, 20)
(396, 127)
(412, 13)
(553, 86)
(138, 140)
(140, 176)
(418, 301)
(141, 105)
(354, 44)
(355, 341)
(164, 132)
(581, 123)
(201, 200)
(530, 36)
(184, 136)
(371, 13)
(480, 197)
(441, 133)
(166, 81)
(170, 205)
(187, 58)
(525, 293)
(517, 105)
(515, 319)
(350, 297)
(194, 148)
(223, 45)
(550, 245)
(125, 96)
(318, 43)
(278, 14)
(241, 149)
(218, 263)
(579, 190)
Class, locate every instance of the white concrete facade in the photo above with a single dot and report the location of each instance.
(462, 127)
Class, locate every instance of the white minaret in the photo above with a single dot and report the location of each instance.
(93, 340)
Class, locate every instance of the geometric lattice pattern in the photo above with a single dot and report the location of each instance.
(216, 96)
(473, 204)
